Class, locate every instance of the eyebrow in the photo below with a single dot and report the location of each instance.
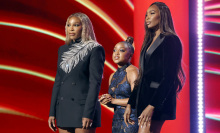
(152, 10)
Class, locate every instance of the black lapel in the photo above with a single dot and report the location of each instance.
(154, 46)
(145, 58)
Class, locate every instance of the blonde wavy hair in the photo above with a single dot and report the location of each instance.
(87, 28)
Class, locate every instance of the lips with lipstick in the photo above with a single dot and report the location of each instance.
(116, 57)
(148, 22)
(72, 34)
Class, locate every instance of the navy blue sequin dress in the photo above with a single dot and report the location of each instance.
(121, 89)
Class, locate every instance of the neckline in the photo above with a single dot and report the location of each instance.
(78, 40)
(124, 67)
(152, 42)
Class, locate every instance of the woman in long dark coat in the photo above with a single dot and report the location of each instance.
(161, 76)
(74, 102)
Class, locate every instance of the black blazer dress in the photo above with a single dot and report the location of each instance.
(158, 83)
(75, 91)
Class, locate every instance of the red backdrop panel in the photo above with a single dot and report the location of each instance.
(28, 54)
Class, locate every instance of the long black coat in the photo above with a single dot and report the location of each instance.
(158, 83)
(75, 94)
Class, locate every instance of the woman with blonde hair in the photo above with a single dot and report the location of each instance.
(74, 102)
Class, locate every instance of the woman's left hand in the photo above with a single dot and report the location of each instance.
(86, 123)
(105, 99)
(146, 115)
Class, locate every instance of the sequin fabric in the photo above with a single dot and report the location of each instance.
(121, 89)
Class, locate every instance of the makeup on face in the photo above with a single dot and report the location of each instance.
(121, 54)
(74, 28)
(152, 17)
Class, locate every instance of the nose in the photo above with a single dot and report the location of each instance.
(71, 28)
(147, 17)
(117, 52)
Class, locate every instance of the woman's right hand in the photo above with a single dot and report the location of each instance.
(146, 115)
(127, 115)
(51, 123)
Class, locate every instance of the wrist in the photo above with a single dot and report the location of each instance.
(113, 101)
(151, 107)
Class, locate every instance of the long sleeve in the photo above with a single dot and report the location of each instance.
(133, 97)
(172, 53)
(96, 66)
(55, 91)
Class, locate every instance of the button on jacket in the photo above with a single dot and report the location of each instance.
(75, 94)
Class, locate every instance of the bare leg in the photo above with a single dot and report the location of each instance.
(80, 130)
(153, 127)
(145, 128)
(67, 130)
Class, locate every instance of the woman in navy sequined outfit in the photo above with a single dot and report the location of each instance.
(121, 84)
